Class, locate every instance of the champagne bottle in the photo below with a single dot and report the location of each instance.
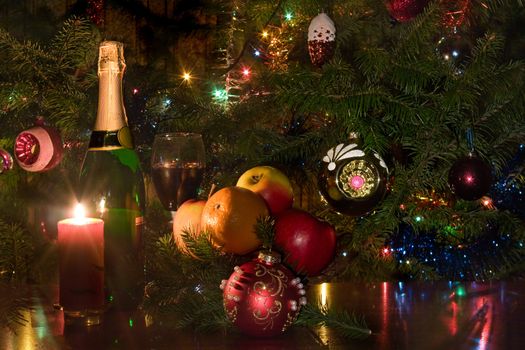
(112, 186)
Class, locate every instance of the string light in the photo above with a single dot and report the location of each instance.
(257, 53)
(220, 94)
(265, 34)
(288, 16)
(135, 91)
(246, 72)
(487, 202)
(186, 76)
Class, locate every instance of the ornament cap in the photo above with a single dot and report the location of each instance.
(269, 257)
(40, 121)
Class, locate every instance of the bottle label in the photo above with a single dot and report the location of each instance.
(105, 140)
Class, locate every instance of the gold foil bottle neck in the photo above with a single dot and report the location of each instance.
(111, 56)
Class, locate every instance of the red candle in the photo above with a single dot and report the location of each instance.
(81, 254)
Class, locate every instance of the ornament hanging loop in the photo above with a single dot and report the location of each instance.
(470, 140)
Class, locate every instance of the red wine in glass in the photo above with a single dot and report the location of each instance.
(177, 165)
(176, 183)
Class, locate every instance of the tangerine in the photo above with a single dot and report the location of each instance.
(230, 216)
(187, 218)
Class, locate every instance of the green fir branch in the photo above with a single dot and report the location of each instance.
(344, 323)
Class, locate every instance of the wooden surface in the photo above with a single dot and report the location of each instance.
(401, 315)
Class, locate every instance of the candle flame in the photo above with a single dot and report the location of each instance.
(79, 212)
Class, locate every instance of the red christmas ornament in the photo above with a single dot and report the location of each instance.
(262, 297)
(405, 10)
(95, 11)
(6, 161)
(455, 12)
(39, 148)
(307, 243)
(470, 177)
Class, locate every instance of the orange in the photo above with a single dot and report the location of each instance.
(187, 218)
(230, 216)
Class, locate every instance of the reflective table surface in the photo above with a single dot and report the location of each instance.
(440, 315)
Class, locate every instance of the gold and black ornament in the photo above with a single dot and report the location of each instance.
(321, 39)
(352, 181)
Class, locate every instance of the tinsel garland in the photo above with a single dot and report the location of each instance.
(479, 260)
(508, 191)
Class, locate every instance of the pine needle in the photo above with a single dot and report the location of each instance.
(344, 323)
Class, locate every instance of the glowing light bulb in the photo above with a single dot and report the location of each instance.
(288, 16)
(135, 91)
(265, 34)
(246, 72)
(186, 76)
(257, 53)
(220, 94)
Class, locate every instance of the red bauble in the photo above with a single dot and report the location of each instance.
(307, 243)
(39, 148)
(455, 12)
(6, 161)
(405, 10)
(470, 177)
(95, 11)
(262, 297)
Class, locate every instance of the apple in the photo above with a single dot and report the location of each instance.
(187, 218)
(307, 243)
(271, 184)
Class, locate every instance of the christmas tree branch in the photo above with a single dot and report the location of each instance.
(344, 323)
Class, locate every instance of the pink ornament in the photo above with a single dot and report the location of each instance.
(262, 297)
(39, 148)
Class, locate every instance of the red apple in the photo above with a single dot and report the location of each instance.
(187, 218)
(308, 244)
(271, 184)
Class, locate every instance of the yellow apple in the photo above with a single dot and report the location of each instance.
(271, 184)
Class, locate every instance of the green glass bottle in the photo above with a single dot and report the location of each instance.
(112, 185)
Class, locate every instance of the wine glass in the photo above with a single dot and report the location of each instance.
(178, 163)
